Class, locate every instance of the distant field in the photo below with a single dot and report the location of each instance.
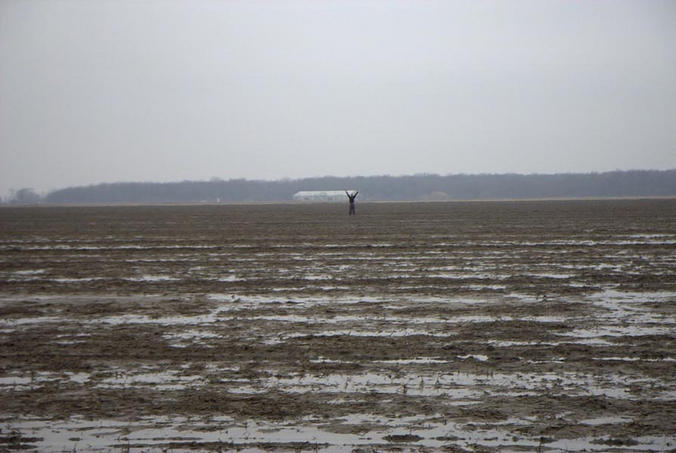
(469, 326)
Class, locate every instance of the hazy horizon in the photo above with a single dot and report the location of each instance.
(301, 178)
(161, 91)
(272, 180)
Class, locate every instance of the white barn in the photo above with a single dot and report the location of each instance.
(321, 195)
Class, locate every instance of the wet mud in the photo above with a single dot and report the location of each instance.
(483, 326)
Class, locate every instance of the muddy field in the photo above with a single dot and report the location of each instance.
(486, 326)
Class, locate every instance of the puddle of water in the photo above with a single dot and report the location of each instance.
(281, 338)
(634, 359)
(28, 321)
(415, 361)
(29, 272)
(15, 380)
(461, 386)
(77, 280)
(78, 433)
(191, 335)
(25, 381)
(166, 380)
(479, 357)
(79, 378)
(616, 331)
(613, 420)
(152, 278)
(645, 443)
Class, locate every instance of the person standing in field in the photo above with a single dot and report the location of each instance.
(351, 197)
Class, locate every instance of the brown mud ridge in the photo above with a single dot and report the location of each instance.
(511, 326)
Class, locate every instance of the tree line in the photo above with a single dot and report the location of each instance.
(635, 183)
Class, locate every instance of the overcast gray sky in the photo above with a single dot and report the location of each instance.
(161, 90)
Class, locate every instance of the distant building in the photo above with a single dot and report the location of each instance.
(321, 195)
